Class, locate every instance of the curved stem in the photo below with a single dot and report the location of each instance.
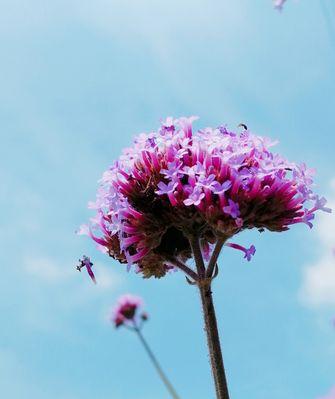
(187, 270)
(214, 257)
(157, 366)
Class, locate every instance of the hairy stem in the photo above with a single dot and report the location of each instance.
(157, 366)
(211, 328)
(213, 341)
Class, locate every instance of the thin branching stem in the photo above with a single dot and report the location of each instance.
(214, 257)
(187, 270)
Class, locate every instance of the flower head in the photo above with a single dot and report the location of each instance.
(213, 183)
(127, 311)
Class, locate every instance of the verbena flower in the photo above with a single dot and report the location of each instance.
(128, 311)
(215, 183)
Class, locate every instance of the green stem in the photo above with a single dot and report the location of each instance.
(213, 341)
(157, 366)
(211, 328)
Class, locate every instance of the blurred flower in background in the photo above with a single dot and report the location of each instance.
(331, 395)
(128, 313)
(278, 4)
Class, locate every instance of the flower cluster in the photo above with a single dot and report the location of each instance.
(174, 183)
(126, 311)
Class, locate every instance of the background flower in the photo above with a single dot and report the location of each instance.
(331, 395)
(127, 311)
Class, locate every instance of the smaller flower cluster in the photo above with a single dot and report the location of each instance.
(127, 312)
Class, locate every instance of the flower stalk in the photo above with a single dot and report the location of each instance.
(205, 276)
(127, 313)
(156, 364)
(213, 341)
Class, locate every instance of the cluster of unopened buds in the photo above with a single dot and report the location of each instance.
(176, 189)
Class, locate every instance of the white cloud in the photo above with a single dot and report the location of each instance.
(44, 269)
(319, 282)
(318, 287)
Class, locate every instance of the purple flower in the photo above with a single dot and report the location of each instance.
(194, 198)
(208, 182)
(248, 252)
(195, 170)
(166, 188)
(307, 218)
(320, 205)
(85, 262)
(186, 125)
(168, 126)
(126, 311)
(151, 142)
(213, 181)
(232, 209)
(223, 130)
(221, 188)
(172, 171)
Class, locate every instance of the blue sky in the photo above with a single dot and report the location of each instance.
(78, 80)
